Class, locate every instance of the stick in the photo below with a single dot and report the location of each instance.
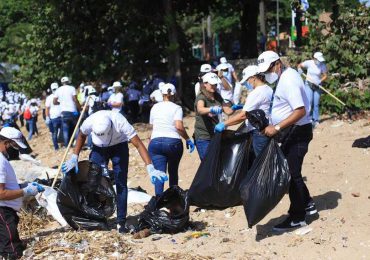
(70, 141)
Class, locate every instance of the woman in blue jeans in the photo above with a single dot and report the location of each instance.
(259, 98)
(165, 147)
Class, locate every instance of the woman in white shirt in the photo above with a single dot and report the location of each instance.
(165, 147)
(259, 98)
(316, 74)
(115, 101)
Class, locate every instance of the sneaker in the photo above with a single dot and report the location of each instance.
(311, 209)
(122, 229)
(289, 224)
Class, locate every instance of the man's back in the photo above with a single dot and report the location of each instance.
(65, 97)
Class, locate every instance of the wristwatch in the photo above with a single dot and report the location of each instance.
(277, 127)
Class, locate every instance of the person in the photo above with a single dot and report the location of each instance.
(259, 98)
(231, 74)
(204, 69)
(111, 133)
(81, 93)
(11, 246)
(208, 107)
(133, 96)
(226, 89)
(32, 121)
(53, 115)
(165, 147)
(290, 119)
(65, 96)
(115, 101)
(316, 74)
(105, 93)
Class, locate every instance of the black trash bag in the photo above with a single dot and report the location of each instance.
(173, 220)
(216, 183)
(86, 199)
(266, 183)
(362, 142)
(257, 118)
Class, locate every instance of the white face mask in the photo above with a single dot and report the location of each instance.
(271, 77)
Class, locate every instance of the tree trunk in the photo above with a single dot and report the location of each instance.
(174, 57)
(262, 17)
(248, 23)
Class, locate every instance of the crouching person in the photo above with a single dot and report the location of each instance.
(11, 247)
(111, 132)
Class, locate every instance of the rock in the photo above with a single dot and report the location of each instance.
(355, 194)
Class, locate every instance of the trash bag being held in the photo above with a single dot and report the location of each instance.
(266, 183)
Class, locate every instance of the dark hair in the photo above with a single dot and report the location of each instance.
(2, 138)
(169, 91)
(261, 77)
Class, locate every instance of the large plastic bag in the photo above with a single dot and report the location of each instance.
(86, 199)
(165, 213)
(266, 183)
(216, 183)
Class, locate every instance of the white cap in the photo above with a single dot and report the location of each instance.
(13, 134)
(248, 72)
(205, 68)
(90, 89)
(54, 86)
(168, 86)
(117, 84)
(82, 85)
(223, 66)
(33, 100)
(319, 56)
(210, 78)
(64, 80)
(223, 60)
(160, 84)
(101, 129)
(265, 59)
(110, 88)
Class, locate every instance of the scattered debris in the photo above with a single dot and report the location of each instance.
(355, 194)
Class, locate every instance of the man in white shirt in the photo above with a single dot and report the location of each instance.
(115, 101)
(66, 97)
(111, 133)
(290, 118)
(53, 115)
(11, 247)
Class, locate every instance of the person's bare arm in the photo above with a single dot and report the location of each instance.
(9, 194)
(136, 141)
(202, 109)
(181, 129)
(116, 104)
(47, 111)
(225, 83)
(239, 117)
(77, 103)
(235, 76)
(55, 101)
(227, 109)
(324, 77)
(81, 139)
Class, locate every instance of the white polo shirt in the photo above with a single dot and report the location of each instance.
(314, 71)
(54, 110)
(163, 116)
(8, 177)
(289, 95)
(121, 130)
(118, 98)
(65, 97)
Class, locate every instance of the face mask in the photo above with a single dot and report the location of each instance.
(271, 77)
(317, 62)
(225, 74)
(248, 86)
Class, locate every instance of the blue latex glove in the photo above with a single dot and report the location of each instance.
(236, 107)
(70, 164)
(76, 113)
(216, 110)
(32, 189)
(190, 145)
(47, 120)
(155, 175)
(220, 127)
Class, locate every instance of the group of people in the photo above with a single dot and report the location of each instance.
(287, 107)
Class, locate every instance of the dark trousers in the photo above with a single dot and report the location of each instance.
(202, 147)
(165, 152)
(134, 109)
(118, 154)
(11, 246)
(69, 121)
(55, 127)
(295, 150)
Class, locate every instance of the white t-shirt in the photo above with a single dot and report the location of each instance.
(259, 98)
(92, 101)
(8, 177)
(163, 116)
(289, 95)
(314, 71)
(157, 95)
(54, 110)
(118, 98)
(34, 110)
(65, 97)
(121, 131)
(225, 94)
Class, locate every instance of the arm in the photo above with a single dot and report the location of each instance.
(9, 194)
(227, 109)
(55, 101)
(47, 111)
(300, 66)
(235, 76)
(78, 106)
(81, 139)
(116, 104)
(202, 110)
(224, 81)
(181, 129)
(324, 76)
(236, 119)
(136, 141)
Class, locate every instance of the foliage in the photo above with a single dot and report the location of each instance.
(346, 50)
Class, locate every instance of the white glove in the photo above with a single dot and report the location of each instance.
(32, 189)
(47, 120)
(156, 175)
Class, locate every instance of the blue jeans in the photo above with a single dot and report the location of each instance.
(313, 96)
(68, 124)
(55, 126)
(31, 127)
(118, 154)
(202, 147)
(259, 141)
(166, 151)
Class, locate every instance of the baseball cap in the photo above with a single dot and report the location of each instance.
(222, 66)
(64, 80)
(205, 68)
(248, 72)
(13, 134)
(265, 59)
(54, 86)
(210, 78)
(319, 56)
(117, 84)
(223, 60)
(101, 129)
(168, 86)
